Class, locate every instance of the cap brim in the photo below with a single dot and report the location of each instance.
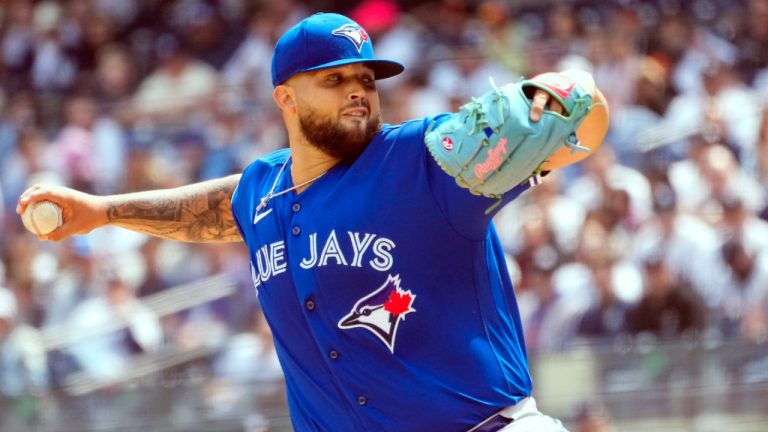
(381, 68)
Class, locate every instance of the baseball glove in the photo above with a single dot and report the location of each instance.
(491, 145)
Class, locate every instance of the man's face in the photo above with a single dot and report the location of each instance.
(338, 109)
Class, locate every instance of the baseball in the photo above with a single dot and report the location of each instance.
(42, 217)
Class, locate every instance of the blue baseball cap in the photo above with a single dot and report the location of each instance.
(326, 40)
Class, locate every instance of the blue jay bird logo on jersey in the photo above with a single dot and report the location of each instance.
(354, 33)
(381, 311)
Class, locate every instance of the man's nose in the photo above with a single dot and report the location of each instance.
(356, 90)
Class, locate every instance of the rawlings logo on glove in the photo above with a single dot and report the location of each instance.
(495, 159)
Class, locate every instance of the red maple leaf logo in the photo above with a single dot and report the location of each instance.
(398, 303)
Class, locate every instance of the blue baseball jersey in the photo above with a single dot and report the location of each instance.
(386, 289)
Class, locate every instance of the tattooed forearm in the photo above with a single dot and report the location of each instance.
(147, 208)
(200, 212)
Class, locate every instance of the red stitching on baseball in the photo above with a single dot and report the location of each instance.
(32, 218)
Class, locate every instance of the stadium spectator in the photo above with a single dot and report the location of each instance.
(552, 204)
(603, 173)
(669, 308)
(179, 84)
(249, 355)
(606, 317)
(743, 223)
(548, 318)
(113, 324)
(23, 364)
(762, 152)
(90, 148)
(593, 417)
(689, 246)
(746, 287)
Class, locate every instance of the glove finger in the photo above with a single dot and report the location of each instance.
(554, 106)
(540, 99)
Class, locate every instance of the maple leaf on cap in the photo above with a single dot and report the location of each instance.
(398, 303)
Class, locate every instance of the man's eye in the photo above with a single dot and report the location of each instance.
(334, 78)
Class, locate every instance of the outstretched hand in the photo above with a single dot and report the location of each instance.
(81, 212)
(543, 101)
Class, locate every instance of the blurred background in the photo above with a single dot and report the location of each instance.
(641, 273)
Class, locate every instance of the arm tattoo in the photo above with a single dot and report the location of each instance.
(201, 212)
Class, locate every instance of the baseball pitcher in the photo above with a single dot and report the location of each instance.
(371, 245)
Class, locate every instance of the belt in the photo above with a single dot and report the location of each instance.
(504, 417)
(492, 424)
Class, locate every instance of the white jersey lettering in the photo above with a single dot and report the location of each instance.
(308, 263)
(268, 261)
(383, 260)
(360, 246)
(378, 249)
(277, 252)
(332, 250)
(263, 263)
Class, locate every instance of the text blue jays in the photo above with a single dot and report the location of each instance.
(354, 249)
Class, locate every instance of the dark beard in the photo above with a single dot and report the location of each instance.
(332, 138)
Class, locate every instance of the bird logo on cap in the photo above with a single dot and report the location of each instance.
(381, 311)
(354, 33)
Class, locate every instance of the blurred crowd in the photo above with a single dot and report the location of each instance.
(661, 233)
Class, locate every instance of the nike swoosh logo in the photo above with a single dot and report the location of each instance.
(260, 216)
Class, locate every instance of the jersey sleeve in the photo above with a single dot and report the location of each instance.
(249, 190)
(239, 202)
(467, 213)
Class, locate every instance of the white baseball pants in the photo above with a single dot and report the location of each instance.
(526, 418)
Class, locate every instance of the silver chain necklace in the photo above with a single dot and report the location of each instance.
(271, 194)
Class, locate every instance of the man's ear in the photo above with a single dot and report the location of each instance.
(284, 97)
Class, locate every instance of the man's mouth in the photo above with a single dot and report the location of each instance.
(358, 112)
